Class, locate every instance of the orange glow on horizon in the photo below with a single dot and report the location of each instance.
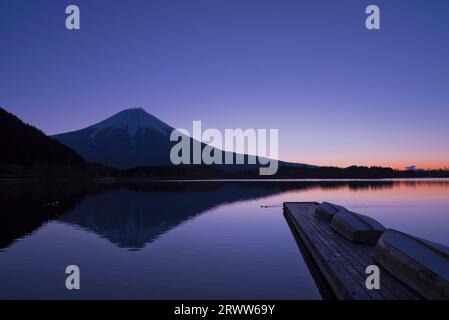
(434, 165)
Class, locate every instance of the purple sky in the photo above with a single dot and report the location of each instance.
(338, 93)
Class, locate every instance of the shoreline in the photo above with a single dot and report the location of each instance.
(145, 179)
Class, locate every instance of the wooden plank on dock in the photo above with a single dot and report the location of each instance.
(337, 262)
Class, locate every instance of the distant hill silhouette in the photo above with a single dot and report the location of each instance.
(23, 144)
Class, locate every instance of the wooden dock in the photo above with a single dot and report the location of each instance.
(338, 265)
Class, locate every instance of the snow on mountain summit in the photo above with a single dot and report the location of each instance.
(133, 120)
(128, 139)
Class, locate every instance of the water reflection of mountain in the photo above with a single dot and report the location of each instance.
(24, 207)
(131, 215)
(131, 219)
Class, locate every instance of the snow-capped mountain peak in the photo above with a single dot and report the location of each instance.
(130, 138)
(133, 120)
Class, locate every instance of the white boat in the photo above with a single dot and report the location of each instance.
(356, 227)
(422, 265)
(326, 211)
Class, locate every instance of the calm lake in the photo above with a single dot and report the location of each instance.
(186, 240)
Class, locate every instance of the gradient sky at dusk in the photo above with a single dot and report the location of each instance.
(338, 93)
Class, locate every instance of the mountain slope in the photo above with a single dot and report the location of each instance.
(133, 138)
(128, 139)
(24, 145)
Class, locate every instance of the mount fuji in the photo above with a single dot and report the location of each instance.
(131, 138)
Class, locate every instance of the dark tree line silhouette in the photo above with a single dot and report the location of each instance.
(23, 144)
(211, 172)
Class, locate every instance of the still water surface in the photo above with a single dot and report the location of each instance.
(186, 240)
